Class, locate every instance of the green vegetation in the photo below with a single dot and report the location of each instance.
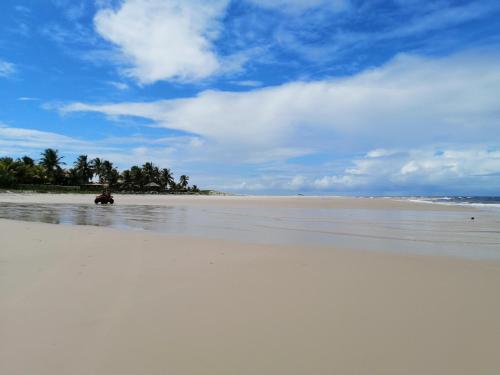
(49, 175)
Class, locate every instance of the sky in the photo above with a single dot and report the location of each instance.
(375, 97)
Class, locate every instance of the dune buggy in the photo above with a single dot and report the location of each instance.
(104, 199)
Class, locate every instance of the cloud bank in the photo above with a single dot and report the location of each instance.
(412, 100)
(420, 170)
(415, 104)
(431, 170)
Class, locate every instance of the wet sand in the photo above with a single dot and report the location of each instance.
(317, 202)
(352, 223)
(99, 300)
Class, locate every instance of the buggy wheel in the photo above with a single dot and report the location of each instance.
(111, 201)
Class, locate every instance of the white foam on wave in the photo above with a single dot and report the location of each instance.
(492, 207)
(485, 205)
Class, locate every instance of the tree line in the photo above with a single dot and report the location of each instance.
(49, 170)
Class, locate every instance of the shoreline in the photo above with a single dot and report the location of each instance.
(234, 200)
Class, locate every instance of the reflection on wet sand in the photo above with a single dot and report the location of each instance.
(127, 217)
(409, 231)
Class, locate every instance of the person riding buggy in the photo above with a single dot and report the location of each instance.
(104, 198)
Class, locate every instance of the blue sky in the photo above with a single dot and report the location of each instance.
(261, 96)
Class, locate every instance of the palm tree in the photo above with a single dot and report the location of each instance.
(73, 176)
(31, 173)
(51, 159)
(29, 162)
(24, 170)
(136, 176)
(126, 177)
(96, 167)
(83, 169)
(7, 177)
(113, 176)
(183, 181)
(108, 172)
(151, 172)
(156, 174)
(167, 178)
(51, 162)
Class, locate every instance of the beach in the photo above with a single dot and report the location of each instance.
(97, 296)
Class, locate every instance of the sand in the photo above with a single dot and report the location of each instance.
(231, 201)
(87, 300)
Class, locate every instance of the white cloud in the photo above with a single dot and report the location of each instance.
(165, 39)
(409, 102)
(443, 17)
(454, 168)
(418, 171)
(379, 152)
(6, 68)
(30, 138)
(119, 85)
(22, 9)
(247, 83)
(332, 182)
(124, 151)
(27, 99)
(346, 43)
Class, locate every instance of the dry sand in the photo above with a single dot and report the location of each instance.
(86, 300)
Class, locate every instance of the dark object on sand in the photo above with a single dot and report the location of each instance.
(104, 198)
(472, 218)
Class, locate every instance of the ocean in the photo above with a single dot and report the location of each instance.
(488, 202)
